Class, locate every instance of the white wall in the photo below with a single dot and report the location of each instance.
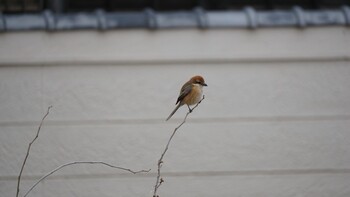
(275, 121)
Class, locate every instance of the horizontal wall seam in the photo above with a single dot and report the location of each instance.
(275, 172)
(179, 61)
(101, 122)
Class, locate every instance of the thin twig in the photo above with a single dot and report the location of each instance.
(160, 180)
(28, 150)
(82, 162)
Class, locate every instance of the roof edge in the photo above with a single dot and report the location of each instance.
(197, 18)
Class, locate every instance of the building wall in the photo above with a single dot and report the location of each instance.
(275, 120)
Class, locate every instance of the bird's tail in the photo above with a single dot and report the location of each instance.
(172, 113)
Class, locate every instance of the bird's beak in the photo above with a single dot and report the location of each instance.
(204, 84)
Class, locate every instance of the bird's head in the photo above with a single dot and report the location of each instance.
(198, 80)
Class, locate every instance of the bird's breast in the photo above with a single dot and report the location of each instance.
(194, 96)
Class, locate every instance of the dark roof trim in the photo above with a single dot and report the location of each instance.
(198, 18)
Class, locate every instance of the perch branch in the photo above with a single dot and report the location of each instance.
(160, 180)
(28, 150)
(82, 162)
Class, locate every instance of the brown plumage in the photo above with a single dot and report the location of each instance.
(190, 93)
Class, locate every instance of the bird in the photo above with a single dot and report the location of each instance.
(190, 93)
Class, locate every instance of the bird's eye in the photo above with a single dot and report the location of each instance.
(198, 82)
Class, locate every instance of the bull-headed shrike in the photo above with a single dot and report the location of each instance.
(190, 93)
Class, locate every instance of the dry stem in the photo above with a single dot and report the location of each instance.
(28, 150)
(62, 166)
(160, 180)
(82, 162)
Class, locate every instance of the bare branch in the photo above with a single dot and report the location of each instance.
(160, 180)
(28, 150)
(83, 162)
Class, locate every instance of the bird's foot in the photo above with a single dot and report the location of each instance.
(189, 109)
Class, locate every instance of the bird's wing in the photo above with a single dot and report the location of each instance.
(185, 90)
